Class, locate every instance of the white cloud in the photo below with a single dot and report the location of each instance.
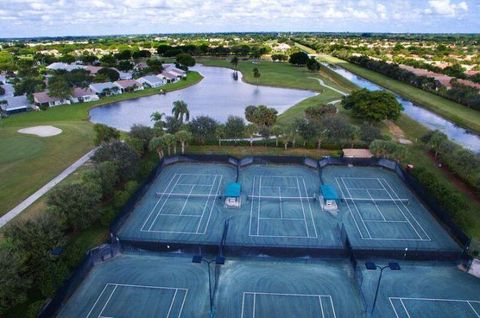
(446, 8)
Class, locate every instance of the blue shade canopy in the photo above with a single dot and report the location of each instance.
(233, 190)
(329, 192)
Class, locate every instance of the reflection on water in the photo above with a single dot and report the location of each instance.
(218, 95)
(422, 115)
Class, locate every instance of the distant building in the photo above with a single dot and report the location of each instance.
(42, 99)
(58, 66)
(83, 95)
(105, 89)
(128, 85)
(151, 81)
(14, 104)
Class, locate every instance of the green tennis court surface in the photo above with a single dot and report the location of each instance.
(380, 211)
(278, 208)
(277, 289)
(423, 290)
(132, 286)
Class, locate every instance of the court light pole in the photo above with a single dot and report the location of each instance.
(372, 266)
(219, 260)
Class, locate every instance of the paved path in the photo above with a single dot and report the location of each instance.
(34, 197)
(322, 83)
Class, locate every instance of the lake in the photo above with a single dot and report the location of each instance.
(218, 95)
(422, 115)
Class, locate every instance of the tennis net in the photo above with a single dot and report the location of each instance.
(186, 195)
(377, 201)
(280, 199)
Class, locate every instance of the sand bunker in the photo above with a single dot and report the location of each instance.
(41, 131)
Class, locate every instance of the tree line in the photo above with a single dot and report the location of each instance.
(462, 94)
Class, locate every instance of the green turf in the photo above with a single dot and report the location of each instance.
(27, 162)
(455, 112)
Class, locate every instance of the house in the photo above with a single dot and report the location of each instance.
(92, 69)
(123, 75)
(14, 104)
(57, 66)
(105, 89)
(128, 85)
(83, 95)
(171, 68)
(140, 66)
(42, 99)
(151, 81)
(167, 77)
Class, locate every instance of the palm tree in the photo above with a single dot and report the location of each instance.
(157, 144)
(256, 74)
(251, 130)
(234, 62)
(157, 118)
(276, 131)
(220, 133)
(183, 136)
(168, 140)
(180, 110)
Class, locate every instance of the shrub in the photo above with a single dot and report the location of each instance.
(76, 204)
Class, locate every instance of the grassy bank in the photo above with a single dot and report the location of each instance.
(452, 111)
(243, 151)
(27, 162)
(276, 74)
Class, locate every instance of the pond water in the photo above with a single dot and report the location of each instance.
(218, 95)
(422, 115)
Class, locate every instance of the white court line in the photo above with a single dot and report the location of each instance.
(137, 286)
(349, 209)
(356, 208)
(408, 210)
(163, 204)
(212, 205)
(254, 294)
(251, 206)
(259, 202)
(401, 299)
(186, 200)
(376, 206)
(310, 207)
(156, 204)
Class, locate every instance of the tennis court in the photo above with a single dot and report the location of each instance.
(379, 211)
(279, 207)
(285, 289)
(182, 204)
(423, 290)
(142, 286)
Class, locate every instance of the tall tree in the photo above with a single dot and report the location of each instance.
(373, 105)
(234, 62)
(157, 144)
(169, 141)
(157, 118)
(256, 74)
(183, 137)
(235, 127)
(180, 110)
(299, 58)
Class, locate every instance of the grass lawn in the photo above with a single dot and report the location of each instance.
(243, 151)
(27, 162)
(277, 74)
(455, 112)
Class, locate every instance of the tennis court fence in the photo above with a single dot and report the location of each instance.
(94, 256)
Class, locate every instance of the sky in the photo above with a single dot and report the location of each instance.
(31, 18)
